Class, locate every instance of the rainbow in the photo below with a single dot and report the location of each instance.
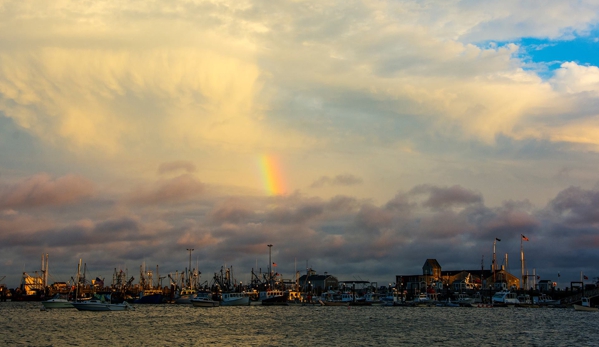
(271, 173)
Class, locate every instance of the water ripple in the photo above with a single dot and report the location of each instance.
(23, 324)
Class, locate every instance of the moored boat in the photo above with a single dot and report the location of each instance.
(185, 295)
(204, 302)
(505, 298)
(336, 299)
(464, 300)
(101, 302)
(235, 299)
(545, 300)
(57, 301)
(585, 305)
(150, 296)
(425, 299)
(276, 298)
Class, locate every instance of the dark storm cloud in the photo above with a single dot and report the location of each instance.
(174, 166)
(296, 215)
(577, 206)
(92, 235)
(400, 203)
(372, 218)
(342, 204)
(231, 211)
(511, 220)
(339, 180)
(173, 190)
(42, 190)
(441, 198)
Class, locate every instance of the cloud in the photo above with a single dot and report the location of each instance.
(343, 235)
(232, 210)
(572, 78)
(339, 180)
(577, 206)
(443, 198)
(174, 166)
(167, 191)
(42, 190)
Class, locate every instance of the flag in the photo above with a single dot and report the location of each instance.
(538, 277)
(524, 237)
(497, 239)
(558, 275)
(585, 277)
(274, 264)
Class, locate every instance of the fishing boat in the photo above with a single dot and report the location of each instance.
(58, 301)
(235, 299)
(275, 297)
(336, 299)
(425, 299)
(185, 295)
(393, 298)
(373, 298)
(150, 296)
(505, 298)
(544, 299)
(585, 306)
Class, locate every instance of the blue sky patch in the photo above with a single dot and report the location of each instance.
(582, 50)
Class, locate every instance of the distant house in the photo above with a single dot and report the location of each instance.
(431, 268)
(545, 285)
(318, 283)
(431, 276)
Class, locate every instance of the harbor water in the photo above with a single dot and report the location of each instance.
(24, 324)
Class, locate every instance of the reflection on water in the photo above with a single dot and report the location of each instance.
(177, 325)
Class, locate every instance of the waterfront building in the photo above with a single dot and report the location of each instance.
(318, 283)
(433, 277)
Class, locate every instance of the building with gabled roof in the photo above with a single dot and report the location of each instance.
(455, 280)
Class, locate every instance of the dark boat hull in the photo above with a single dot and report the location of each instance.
(276, 301)
(150, 299)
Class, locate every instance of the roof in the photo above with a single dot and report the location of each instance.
(432, 263)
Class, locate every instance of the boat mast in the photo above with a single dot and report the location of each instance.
(44, 271)
(494, 260)
(189, 270)
(270, 266)
(522, 261)
(482, 271)
(78, 274)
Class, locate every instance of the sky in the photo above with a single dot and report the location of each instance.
(359, 138)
